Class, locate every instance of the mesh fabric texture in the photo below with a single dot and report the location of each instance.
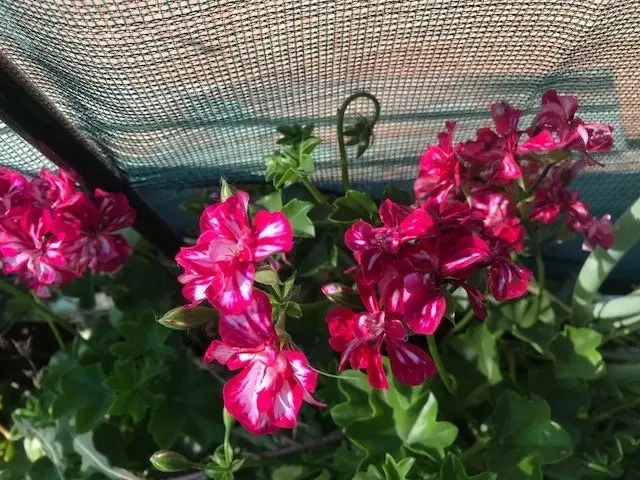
(180, 92)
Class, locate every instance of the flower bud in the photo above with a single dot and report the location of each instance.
(341, 295)
(181, 318)
(167, 461)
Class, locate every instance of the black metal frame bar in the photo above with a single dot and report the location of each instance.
(24, 109)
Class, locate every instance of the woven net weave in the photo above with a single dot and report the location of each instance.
(180, 92)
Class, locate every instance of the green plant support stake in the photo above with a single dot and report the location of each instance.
(599, 264)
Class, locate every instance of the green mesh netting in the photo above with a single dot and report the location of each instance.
(179, 92)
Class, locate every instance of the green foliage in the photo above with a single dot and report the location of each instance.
(294, 162)
(354, 206)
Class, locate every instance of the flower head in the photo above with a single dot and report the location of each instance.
(360, 337)
(220, 267)
(439, 173)
(274, 378)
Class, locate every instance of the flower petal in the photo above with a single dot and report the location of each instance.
(251, 327)
(236, 292)
(229, 218)
(425, 311)
(409, 363)
(273, 234)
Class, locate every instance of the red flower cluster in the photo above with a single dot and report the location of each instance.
(275, 378)
(52, 232)
(465, 226)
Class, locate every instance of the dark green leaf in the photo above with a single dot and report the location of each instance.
(354, 206)
(397, 195)
(453, 469)
(82, 393)
(131, 395)
(272, 202)
(323, 255)
(524, 438)
(297, 213)
(477, 345)
(576, 353)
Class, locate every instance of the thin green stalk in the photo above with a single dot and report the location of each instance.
(52, 326)
(472, 451)
(435, 355)
(461, 324)
(616, 409)
(540, 266)
(47, 312)
(317, 195)
(344, 164)
(49, 316)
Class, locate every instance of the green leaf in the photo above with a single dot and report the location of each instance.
(181, 318)
(524, 438)
(477, 345)
(354, 206)
(293, 310)
(297, 213)
(397, 195)
(138, 284)
(131, 395)
(576, 353)
(323, 255)
(272, 202)
(81, 393)
(191, 405)
(266, 276)
(453, 469)
(397, 471)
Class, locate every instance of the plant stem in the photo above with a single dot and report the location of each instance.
(461, 324)
(317, 195)
(540, 267)
(540, 178)
(435, 354)
(616, 409)
(344, 164)
(49, 316)
(471, 451)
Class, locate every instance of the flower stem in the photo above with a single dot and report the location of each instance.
(49, 316)
(344, 164)
(52, 318)
(317, 195)
(435, 354)
(472, 451)
(461, 324)
(616, 409)
(540, 268)
(540, 178)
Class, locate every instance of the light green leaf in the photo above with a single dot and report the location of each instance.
(576, 353)
(524, 438)
(297, 213)
(266, 276)
(477, 345)
(226, 190)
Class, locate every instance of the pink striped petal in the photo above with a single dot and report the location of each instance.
(273, 234)
(409, 363)
(251, 327)
(237, 290)
(425, 311)
(229, 218)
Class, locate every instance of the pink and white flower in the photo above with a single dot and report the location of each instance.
(274, 379)
(221, 266)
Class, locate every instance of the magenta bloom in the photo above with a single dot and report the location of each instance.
(507, 279)
(361, 335)
(274, 380)
(98, 246)
(31, 249)
(500, 216)
(375, 248)
(221, 266)
(439, 173)
(13, 191)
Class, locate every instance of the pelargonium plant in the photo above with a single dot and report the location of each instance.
(52, 232)
(479, 207)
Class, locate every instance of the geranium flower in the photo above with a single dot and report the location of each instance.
(507, 279)
(439, 173)
(97, 245)
(361, 335)
(375, 248)
(54, 190)
(31, 249)
(220, 267)
(500, 216)
(430, 266)
(274, 379)
(13, 191)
